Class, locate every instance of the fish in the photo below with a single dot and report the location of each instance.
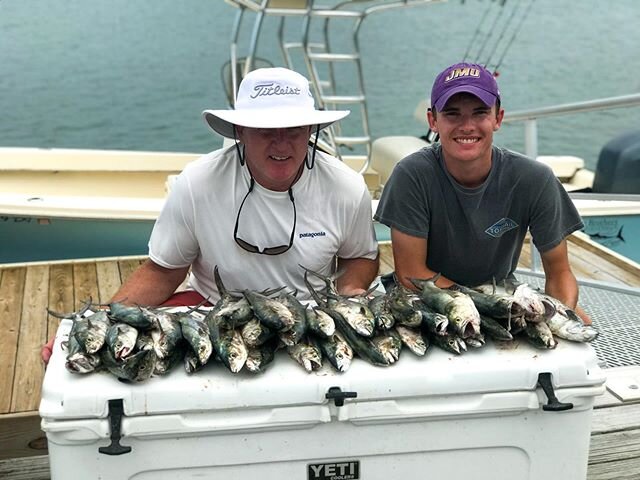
(356, 313)
(379, 306)
(494, 328)
(196, 333)
(191, 362)
(537, 308)
(235, 309)
(169, 361)
(566, 323)
(270, 311)
(496, 305)
(458, 307)
(134, 315)
(167, 336)
(320, 323)
(363, 346)
(413, 339)
(450, 342)
(401, 305)
(93, 337)
(79, 361)
(227, 343)
(388, 342)
(540, 336)
(259, 357)
(121, 340)
(433, 322)
(255, 333)
(299, 328)
(476, 341)
(137, 367)
(337, 350)
(307, 355)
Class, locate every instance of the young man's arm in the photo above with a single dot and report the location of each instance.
(560, 282)
(410, 259)
(358, 274)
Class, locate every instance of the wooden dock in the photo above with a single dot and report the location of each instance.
(27, 290)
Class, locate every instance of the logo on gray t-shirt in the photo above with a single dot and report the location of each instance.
(501, 227)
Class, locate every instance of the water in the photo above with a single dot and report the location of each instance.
(136, 75)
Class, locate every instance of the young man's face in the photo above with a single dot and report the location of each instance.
(275, 155)
(466, 127)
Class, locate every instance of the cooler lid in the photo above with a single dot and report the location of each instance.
(492, 368)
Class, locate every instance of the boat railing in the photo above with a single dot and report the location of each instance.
(531, 117)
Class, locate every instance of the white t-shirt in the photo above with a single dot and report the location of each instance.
(195, 227)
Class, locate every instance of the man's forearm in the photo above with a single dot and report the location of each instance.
(358, 276)
(150, 285)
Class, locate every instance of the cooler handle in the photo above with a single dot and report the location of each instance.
(116, 412)
(553, 405)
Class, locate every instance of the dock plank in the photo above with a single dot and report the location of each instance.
(29, 372)
(60, 294)
(85, 282)
(108, 275)
(11, 294)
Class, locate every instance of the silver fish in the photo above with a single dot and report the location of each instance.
(337, 351)
(196, 333)
(379, 306)
(259, 357)
(539, 335)
(389, 345)
(457, 306)
(255, 333)
(413, 339)
(121, 340)
(320, 323)
(227, 343)
(306, 355)
(78, 361)
(135, 368)
(270, 311)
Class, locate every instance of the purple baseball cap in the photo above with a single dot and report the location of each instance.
(464, 77)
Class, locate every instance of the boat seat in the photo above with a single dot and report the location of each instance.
(564, 166)
(387, 151)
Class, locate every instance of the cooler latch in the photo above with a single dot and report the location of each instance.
(338, 395)
(553, 404)
(116, 412)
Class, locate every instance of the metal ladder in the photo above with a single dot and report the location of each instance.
(350, 140)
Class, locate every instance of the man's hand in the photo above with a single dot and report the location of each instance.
(46, 351)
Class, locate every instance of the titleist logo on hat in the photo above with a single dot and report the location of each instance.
(271, 98)
(268, 89)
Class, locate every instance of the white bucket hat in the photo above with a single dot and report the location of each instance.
(271, 98)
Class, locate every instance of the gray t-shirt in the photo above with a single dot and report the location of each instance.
(476, 234)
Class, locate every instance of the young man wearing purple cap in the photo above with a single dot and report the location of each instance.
(462, 207)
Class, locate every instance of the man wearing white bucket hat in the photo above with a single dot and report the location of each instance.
(262, 207)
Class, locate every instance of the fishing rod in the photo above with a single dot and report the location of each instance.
(502, 33)
(513, 37)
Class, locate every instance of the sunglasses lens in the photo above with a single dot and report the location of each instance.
(269, 250)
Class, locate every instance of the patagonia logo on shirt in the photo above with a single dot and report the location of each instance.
(501, 227)
(313, 234)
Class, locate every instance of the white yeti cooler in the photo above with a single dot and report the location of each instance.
(481, 415)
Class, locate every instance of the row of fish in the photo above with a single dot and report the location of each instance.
(245, 331)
